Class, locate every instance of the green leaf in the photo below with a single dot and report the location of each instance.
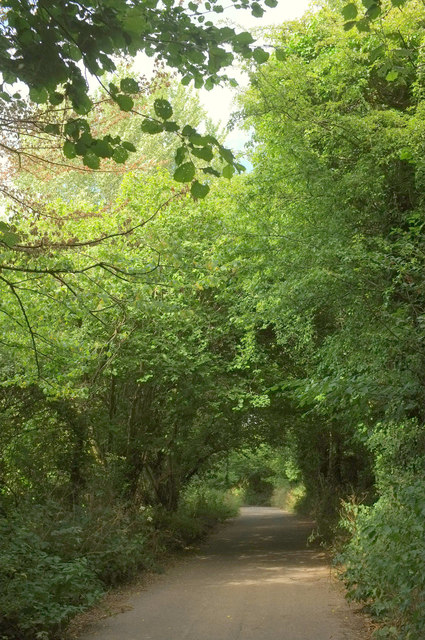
(280, 55)
(363, 25)
(53, 129)
(128, 85)
(56, 98)
(271, 3)
(260, 55)
(129, 146)
(91, 160)
(151, 126)
(82, 104)
(135, 22)
(39, 96)
(171, 126)
(102, 148)
(69, 150)
(124, 102)
(206, 153)
(185, 172)
(227, 155)
(211, 140)
(391, 75)
(210, 171)
(195, 56)
(120, 155)
(244, 38)
(228, 171)
(257, 10)
(9, 238)
(73, 52)
(188, 130)
(199, 190)
(374, 11)
(180, 154)
(349, 25)
(163, 109)
(349, 11)
(83, 144)
(198, 139)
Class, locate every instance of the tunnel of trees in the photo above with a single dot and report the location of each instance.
(175, 337)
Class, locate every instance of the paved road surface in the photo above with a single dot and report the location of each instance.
(253, 580)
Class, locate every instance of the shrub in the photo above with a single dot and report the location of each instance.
(384, 562)
(288, 497)
(39, 591)
(207, 503)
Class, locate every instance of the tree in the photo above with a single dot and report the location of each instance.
(49, 174)
(52, 48)
(337, 278)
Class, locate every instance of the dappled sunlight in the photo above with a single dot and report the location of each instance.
(248, 582)
(301, 575)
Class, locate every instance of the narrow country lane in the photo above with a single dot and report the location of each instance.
(254, 580)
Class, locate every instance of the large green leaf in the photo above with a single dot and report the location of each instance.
(129, 85)
(151, 126)
(199, 190)
(91, 160)
(260, 55)
(124, 102)
(350, 11)
(69, 150)
(163, 109)
(185, 172)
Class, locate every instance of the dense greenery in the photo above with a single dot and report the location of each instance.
(336, 207)
(160, 350)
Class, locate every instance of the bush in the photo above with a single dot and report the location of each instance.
(119, 543)
(385, 558)
(288, 497)
(39, 591)
(55, 563)
(208, 503)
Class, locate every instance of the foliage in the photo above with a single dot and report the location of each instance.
(336, 279)
(383, 562)
(78, 185)
(39, 590)
(74, 41)
(164, 349)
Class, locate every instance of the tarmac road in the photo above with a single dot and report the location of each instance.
(254, 579)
